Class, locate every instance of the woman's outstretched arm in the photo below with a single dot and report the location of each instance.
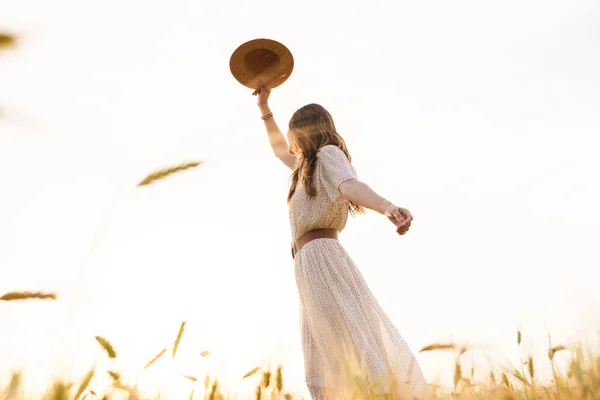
(360, 193)
(278, 143)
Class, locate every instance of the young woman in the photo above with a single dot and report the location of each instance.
(345, 333)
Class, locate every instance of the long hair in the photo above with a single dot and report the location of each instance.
(311, 127)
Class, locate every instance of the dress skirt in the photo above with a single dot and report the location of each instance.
(351, 348)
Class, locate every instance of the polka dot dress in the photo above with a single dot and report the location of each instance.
(345, 332)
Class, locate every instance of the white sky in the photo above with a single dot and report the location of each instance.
(480, 117)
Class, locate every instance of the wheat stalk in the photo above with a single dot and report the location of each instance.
(553, 350)
(266, 380)
(156, 357)
(178, 339)
(251, 372)
(85, 383)
(279, 379)
(213, 392)
(13, 386)
(14, 296)
(114, 375)
(7, 40)
(457, 373)
(107, 347)
(163, 173)
(531, 368)
(438, 346)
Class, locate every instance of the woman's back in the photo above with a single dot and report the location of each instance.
(327, 209)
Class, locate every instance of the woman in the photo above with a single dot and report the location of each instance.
(345, 333)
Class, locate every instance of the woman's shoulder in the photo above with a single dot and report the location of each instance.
(331, 150)
(335, 166)
(332, 155)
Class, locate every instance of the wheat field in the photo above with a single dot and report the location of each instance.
(580, 380)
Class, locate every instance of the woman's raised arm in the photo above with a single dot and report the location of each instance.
(276, 139)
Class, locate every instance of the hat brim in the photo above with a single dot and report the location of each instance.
(261, 61)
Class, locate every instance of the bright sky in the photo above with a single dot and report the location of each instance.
(482, 118)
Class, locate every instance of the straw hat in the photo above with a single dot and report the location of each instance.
(261, 60)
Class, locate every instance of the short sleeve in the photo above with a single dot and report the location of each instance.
(335, 168)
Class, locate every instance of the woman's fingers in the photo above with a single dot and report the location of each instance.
(403, 225)
(263, 94)
(406, 214)
(258, 91)
(401, 218)
(403, 221)
(402, 230)
(398, 216)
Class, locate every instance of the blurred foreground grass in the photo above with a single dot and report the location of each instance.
(7, 40)
(580, 380)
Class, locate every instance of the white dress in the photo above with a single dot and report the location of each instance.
(345, 332)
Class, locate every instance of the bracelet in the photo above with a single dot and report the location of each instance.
(267, 116)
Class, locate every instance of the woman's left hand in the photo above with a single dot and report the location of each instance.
(400, 217)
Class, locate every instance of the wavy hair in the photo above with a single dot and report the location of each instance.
(311, 128)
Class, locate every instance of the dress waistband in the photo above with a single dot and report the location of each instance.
(322, 233)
